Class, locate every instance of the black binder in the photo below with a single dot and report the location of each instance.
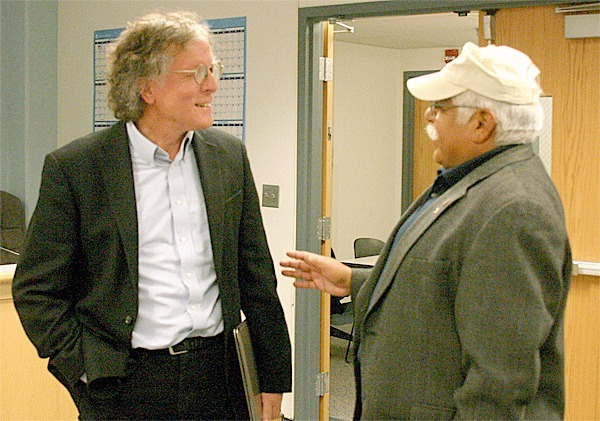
(243, 345)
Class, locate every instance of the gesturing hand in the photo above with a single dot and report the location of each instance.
(318, 272)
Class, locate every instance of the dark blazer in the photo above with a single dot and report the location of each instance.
(468, 322)
(75, 286)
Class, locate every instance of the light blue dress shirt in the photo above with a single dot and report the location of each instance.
(178, 292)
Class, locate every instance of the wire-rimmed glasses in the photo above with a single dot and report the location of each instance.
(435, 106)
(200, 74)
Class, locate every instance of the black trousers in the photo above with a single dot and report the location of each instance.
(159, 386)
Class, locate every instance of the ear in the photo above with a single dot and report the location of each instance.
(484, 126)
(144, 87)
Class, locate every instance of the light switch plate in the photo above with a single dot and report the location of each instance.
(270, 196)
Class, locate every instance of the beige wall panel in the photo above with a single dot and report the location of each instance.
(571, 75)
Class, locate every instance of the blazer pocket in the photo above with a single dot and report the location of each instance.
(67, 364)
(431, 412)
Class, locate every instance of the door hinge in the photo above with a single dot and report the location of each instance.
(324, 229)
(322, 384)
(325, 69)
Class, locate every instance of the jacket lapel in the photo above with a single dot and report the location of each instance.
(412, 234)
(115, 163)
(387, 265)
(384, 274)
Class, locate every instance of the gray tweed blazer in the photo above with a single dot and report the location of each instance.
(468, 320)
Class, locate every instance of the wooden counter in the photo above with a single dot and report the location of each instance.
(6, 274)
(27, 390)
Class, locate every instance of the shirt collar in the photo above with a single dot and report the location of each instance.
(149, 151)
(449, 177)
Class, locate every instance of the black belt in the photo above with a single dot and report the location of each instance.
(188, 344)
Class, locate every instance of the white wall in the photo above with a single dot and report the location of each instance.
(28, 32)
(271, 111)
(367, 138)
(367, 144)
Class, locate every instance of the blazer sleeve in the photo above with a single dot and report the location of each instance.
(42, 288)
(510, 299)
(359, 276)
(259, 299)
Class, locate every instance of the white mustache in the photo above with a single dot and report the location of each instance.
(431, 132)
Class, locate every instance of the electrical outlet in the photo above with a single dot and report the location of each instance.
(270, 196)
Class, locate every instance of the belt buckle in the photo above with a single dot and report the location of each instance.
(173, 352)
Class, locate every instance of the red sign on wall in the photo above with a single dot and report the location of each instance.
(450, 55)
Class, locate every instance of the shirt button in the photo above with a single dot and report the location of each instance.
(193, 308)
(188, 275)
(128, 320)
(183, 240)
(178, 202)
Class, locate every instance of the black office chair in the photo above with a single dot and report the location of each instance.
(365, 246)
(341, 319)
(341, 314)
(12, 221)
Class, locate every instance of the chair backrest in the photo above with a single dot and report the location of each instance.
(12, 223)
(365, 246)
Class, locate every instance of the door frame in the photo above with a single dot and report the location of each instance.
(408, 112)
(310, 163)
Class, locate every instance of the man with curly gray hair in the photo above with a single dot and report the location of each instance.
(147, 242)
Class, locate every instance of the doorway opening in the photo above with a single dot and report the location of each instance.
(310, 165)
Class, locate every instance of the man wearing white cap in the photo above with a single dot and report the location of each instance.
(462, 315)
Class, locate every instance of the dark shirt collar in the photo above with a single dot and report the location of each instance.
(449, 177)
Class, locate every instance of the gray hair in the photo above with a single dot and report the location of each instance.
(144, 50)
(515, 123)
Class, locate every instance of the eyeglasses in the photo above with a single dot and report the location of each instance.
(435, 106)
(200, 74)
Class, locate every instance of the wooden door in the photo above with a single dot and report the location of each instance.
(424, 167)
(570, 74)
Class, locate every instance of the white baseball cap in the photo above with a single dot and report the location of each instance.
(497, 72)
